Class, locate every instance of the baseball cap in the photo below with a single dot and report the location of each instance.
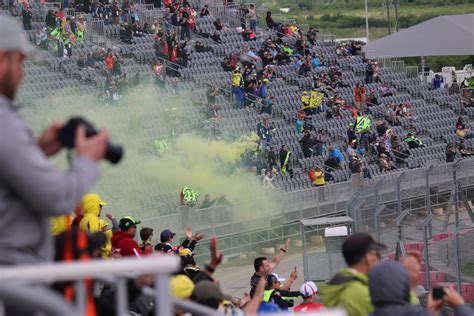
(127, 221)
(205, 290)
(166, 234)
(181, 286)
(308, 289)
(274, 277)
(357, 245)
(13, 38)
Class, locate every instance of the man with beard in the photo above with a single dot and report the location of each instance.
(32, 189)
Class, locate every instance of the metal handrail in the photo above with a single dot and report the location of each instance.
(159, 265)
(35, 299)
(73, 271)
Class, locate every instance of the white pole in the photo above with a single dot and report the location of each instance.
(366, 22)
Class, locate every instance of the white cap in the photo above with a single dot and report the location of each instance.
(13, 38)
(275, 276)
(279, 279)
(308, 289)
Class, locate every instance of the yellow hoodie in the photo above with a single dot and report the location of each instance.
(60, 224)
(91, 222)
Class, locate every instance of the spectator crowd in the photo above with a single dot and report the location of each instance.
(357, 289)
(366, 286)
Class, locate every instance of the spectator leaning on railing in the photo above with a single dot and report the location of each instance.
(31, 188)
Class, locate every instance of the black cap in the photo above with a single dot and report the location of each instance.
(127, 222)
(357, 245)
(166, 234)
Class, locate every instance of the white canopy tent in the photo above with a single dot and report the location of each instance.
(440, 36)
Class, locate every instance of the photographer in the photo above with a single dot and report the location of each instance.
(31, 188)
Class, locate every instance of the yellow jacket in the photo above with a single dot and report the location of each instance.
(91, 222)
(60, 224)
(319, 177)
(237, 79)
(316, 98)
(305, 99)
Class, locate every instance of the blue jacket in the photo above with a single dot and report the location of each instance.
(262, 91)
(336, 153)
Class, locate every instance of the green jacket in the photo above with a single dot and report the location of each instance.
(349, 290)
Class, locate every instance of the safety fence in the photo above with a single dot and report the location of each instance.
(412, 71)
(247, 215)
(416, 210)
(149, 15)
(230, 15)
(396, 65)
(95, 32)
(374, 204)
(242, 226)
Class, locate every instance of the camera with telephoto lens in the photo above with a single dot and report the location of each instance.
(67, 136)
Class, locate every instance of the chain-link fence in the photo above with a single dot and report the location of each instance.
(427, 210)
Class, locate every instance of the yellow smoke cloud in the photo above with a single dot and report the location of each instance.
(147, 186)
(212, 167)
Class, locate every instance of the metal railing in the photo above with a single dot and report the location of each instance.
(412, 71)
(148, 14)
(373, 203)
(116, 270)
(229, 221)
(95, 32)
(229, 15)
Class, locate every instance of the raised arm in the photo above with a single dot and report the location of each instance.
(291, 279)
(274, 263)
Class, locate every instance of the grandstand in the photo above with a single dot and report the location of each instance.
(423, 182)
(204, 68)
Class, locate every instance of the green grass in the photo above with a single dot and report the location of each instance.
(468, 269)
(351, 14)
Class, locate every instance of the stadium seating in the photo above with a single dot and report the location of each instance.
(436, 110)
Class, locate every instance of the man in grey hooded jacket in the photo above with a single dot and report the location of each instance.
(390, 293)
(31, 188)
